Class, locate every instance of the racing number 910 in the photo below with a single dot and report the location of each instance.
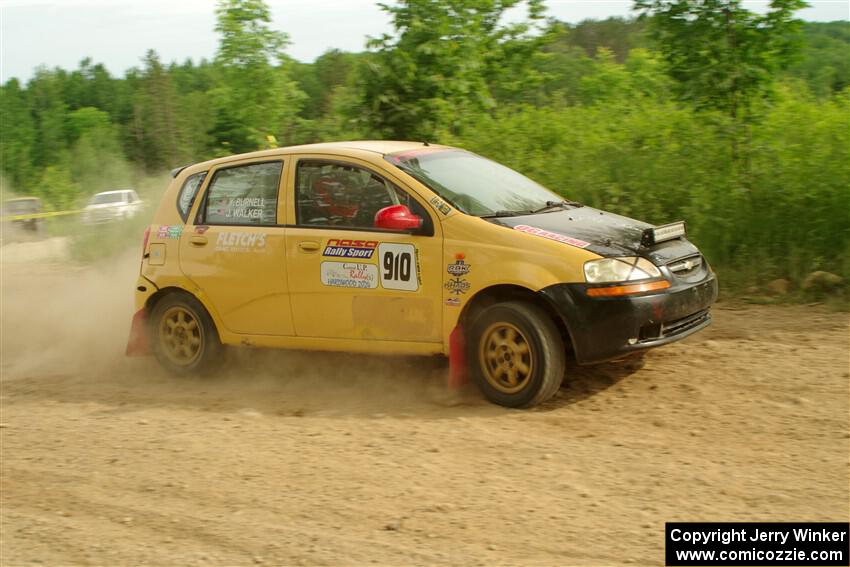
(398, 263)
(397, 266)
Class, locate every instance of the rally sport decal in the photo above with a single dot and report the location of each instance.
(346, 248)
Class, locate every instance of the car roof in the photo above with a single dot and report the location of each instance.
(113, 191)
(19, 199)
(380, 147)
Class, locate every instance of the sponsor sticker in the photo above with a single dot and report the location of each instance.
(457, 286)
(172, 231)
(347, 248)
(552, 236)
(459, 268)
(201, 229)
(240, 242)
(349, 274)
(453, 301)
(440, 205)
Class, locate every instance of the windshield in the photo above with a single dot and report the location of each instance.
(104, 198)
(475, 185)
(22, 205)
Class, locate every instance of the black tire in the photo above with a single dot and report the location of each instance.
(183, 335)
(516, 354)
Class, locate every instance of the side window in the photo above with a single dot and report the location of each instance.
(245, 194)
(345, 196)
(188, 192)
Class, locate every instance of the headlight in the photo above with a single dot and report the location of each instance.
(607, 270)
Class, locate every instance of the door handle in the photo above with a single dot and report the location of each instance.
(198, 240)
(308, 246)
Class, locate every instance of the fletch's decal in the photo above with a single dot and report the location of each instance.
(173, 231)
(240, 242)
(350, 274)
(399, 268)
(345, 248)
(552, 236)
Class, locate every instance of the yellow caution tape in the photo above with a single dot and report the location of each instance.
(39, 215)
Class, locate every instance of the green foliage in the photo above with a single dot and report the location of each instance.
(616, 35)
(56, 188)
(19, 134)
(255, 96)
(659, 161)
(825, 65)
(96, 161)
(722, 55)
(447, 58)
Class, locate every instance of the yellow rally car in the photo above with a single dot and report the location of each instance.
(407, 248)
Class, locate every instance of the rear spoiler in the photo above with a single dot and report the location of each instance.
(176, 171)
(656, 234)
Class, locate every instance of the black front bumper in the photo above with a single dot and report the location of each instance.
(605, 328)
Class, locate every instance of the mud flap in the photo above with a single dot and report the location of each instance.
(138, 344)
(457, 359)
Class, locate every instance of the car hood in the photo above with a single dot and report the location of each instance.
(104, 206)
(608, 234)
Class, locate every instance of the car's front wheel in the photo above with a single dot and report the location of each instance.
(516, 354)
(183, 335)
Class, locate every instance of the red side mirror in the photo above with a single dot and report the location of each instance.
(397, 217)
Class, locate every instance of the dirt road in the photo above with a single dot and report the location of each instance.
(304, 459)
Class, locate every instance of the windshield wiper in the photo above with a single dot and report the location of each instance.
(497, 214)
(554, 205)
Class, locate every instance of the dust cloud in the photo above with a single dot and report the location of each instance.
(61, 318)
(66, 320)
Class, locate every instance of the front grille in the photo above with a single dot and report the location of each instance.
(681, 325)
(686, 266)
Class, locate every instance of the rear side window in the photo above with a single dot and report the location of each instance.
(245, 194)
(188, 193)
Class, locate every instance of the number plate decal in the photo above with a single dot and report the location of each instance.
(398, 266)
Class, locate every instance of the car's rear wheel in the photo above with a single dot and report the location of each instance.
(516, 354)
(183, 334)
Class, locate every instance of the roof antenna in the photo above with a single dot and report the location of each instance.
(425, 143)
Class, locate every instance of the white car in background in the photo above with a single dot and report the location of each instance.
(111, 206)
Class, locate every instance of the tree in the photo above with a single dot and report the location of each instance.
(49, 110)
(825, 65)
(722, 55)
(17, 141)
(255, 96)
(447, 59)
(155, 122)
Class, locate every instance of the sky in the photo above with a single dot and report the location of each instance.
(117, 33)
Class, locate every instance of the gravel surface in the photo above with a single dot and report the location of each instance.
(317, 459)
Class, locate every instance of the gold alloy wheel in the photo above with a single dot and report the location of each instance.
(506, 358)
(180, 336)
